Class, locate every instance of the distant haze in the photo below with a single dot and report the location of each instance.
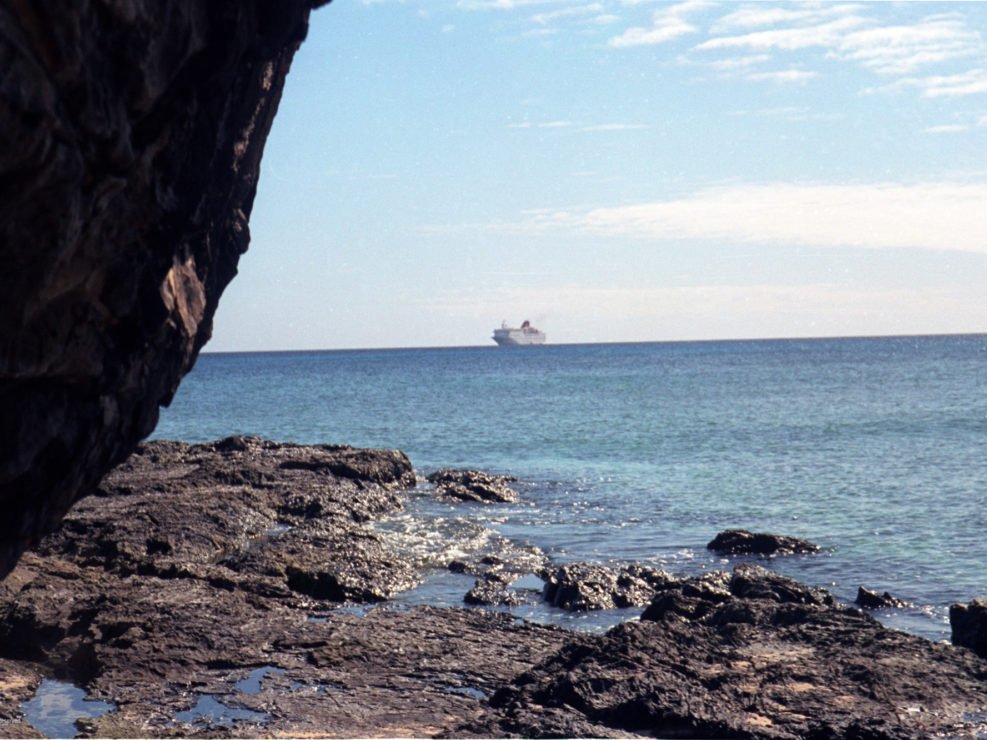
(620, 170)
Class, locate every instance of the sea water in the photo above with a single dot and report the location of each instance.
(873, 448)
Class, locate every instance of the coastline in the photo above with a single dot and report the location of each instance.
(197, 568)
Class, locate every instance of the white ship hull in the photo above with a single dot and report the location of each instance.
(527, 335)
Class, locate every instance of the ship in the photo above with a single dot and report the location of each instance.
(508, 336)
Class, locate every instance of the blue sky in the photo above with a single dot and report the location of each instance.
(620, 170)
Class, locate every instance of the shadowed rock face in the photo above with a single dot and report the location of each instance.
(132, 139)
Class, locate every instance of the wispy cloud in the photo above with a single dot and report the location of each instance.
(542, 124)
(948, 128)
(972, 82)
(576, 11)
(667, 23)
(578, 127)
(826, 34)
(938, 216)
(784, 75)
(503, 4)
(765, 15)
(614, 127)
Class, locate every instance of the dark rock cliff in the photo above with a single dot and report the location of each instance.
(132, 135)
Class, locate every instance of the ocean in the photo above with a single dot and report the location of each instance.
(873, 448)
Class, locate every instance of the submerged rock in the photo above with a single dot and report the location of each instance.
(867, 599)
(969, 625)
(588, 586)
(755, 655)
(130, 156)
(473, 485)
(742, 542)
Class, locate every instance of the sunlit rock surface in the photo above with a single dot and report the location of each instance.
(132, 140)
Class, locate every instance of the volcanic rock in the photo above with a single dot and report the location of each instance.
(867, 599)
(969, 625)
(742, 542)
(771, 658)
(494, 590)
(473, 485)
(131, 147)
(588, 586)
(197, 568)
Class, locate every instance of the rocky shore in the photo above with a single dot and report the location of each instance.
(240, 588)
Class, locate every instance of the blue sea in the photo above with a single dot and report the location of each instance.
(873, 448)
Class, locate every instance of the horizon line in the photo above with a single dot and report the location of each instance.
(809, 338)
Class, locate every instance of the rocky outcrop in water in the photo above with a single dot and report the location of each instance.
(473, 485)
(750, 655)
(742, 542)
(588, 586)
(867, 599)
(131, 147)
(969, 625)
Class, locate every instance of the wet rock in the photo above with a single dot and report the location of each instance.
(742, 542)
(969, 625)
(198, 565)
(494, 589)
(761, 659)
(473, 485)
(754, 582)
(588, 586)
(130, 155)
(867, 599)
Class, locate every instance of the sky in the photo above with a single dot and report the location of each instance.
(620, 170)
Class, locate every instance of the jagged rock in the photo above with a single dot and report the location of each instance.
(198, 566)
(867, 599)
(248, 513)
(473, 485)
(588, 586)
(969, 625)
(754, 582)
(494, 589)
(132, 140)
(768, 658)
(742, 542)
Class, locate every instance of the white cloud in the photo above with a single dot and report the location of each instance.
(667, 23)
(503, 4)
(826, 34)
(972, 82)
(901, 49)
(543, 124)
(615, 127)
(564, 13)
(846, 33)
(763, 15)
(785, 75)
(949, 128)
(938, 216)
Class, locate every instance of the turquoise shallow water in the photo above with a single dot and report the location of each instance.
(872, 448)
